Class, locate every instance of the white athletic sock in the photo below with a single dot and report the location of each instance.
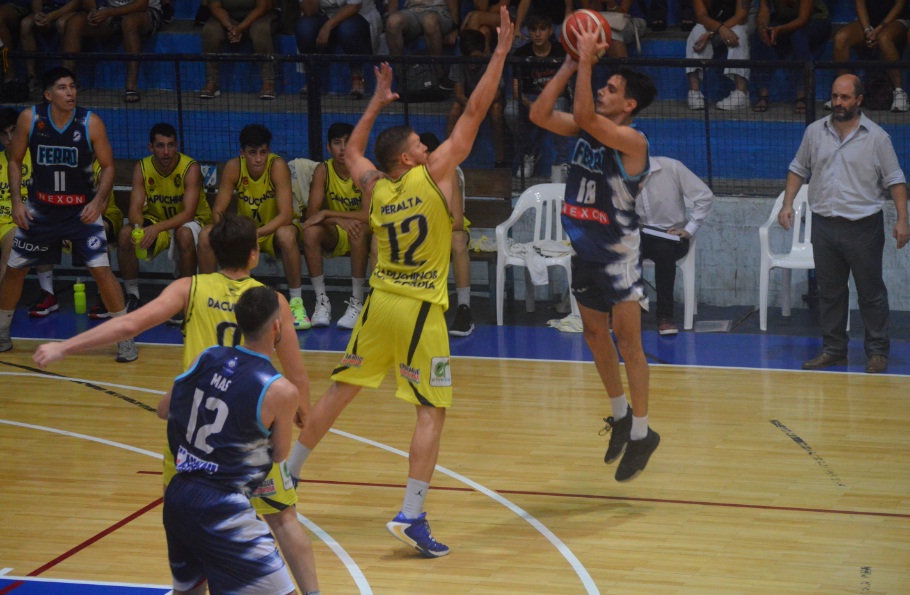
(131, 286)
(120, 313)
(46, 281)
(318, 285)
(295, 293)
(639, 427)
(357, 288)
(464, 296)
(414, 497)
(6, 318)
(298, 456)
(620, 407)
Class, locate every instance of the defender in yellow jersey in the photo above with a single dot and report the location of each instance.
(336, 225)
(168, 204)
(8, 117)
(208, 300)
(262, 181)
(411, 205)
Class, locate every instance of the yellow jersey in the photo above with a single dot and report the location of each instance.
(6, 203)
(210, 316)
(164, 193)
(413, 226)
(257, 199)
(341, 195)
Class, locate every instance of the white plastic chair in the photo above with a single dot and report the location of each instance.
(799, 257)
(687, 267)
(546, 201)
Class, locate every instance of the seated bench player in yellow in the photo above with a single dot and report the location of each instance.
(262, 181)
(167, 203)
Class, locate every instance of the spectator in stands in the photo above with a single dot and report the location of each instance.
(485, 18)
(527, 83)
(669, 188)
(336, 225)
(462, 324)
(257, 19)
(167, 203)
(721, 23)
(627, 23)
(436, 20)
(795, 30)
(850, 164)
(879, 31)
(355, 25)
(466, 77)
(45, 18)
(262, 181)
(11, 14)
(130, 19)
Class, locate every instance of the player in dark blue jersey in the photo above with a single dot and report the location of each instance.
(64, 203)
(229, 418)
(607, 168)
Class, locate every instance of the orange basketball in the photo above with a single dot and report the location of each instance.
(576, 23)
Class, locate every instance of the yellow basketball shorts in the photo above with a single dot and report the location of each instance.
(6, 228)
(274, 494)
(406, 335)
(343, 245)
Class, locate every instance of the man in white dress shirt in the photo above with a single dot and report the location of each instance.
(667, 191)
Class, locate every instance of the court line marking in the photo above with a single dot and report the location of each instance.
(563, 549)
(346, 559)
(35, 579)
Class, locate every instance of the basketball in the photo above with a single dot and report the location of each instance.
(576, 22)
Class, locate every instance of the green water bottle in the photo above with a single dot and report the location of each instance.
(138, 235)
(79, 296)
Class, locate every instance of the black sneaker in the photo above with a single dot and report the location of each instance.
(98, 311)
(446, 84)
(167, 13)
(132, 302)
(637, 454)
(619, 436)
(463, 325)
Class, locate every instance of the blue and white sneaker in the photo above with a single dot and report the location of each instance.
(416, 533)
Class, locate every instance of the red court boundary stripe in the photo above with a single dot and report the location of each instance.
(95, 538)
(631, 499)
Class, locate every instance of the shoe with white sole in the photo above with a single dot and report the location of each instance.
(322, 313)
(349, 319)
(901, 102)
(734, 101)
(696, 100)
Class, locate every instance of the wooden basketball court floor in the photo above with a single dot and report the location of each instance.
(767, 480)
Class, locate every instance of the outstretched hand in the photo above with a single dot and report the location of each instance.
(384, 92)
(590, 48)
(47, 354)
(506, 31)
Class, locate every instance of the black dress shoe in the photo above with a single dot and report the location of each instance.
(825, 360)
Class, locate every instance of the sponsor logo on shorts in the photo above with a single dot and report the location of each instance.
(440, 372)
(352, 360)
(94, 243)
(186, 462)
(286, 476)
(266, 488)
(408, 373)
(23, 246)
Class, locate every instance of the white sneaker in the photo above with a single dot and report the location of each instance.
(696, 100)
(735, 100)
(828, 106)
(350, 315)
(901, 103)
(559, 173)
(322, 314)
(127, 351)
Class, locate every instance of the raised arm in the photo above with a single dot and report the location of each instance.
(543, 113)
(362, 169)
(625, 139)
(443, 161)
